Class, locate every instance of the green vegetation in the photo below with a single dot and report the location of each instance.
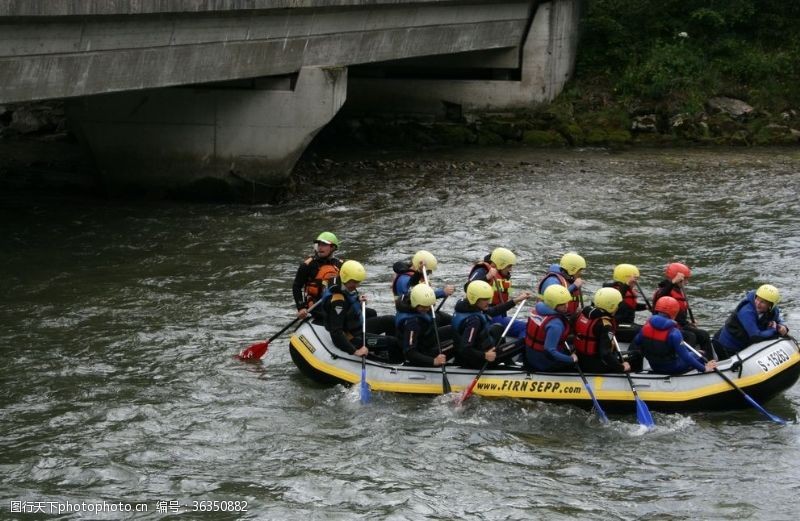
(678, 53)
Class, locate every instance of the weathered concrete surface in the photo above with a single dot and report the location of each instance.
(547, 62)
(238, 143)
(81, 47)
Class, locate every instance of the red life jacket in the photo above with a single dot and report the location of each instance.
(535, 330)
(585, 340)
(500, 284)
(655, 345)
(572, 305)
(680, 296)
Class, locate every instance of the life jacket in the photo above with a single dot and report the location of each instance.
(626, 313)
(572, 305)
(655, 344)
(326, 272)
(460, 317)
(678, 295)
(500, 284)
(585, 340)
(735, 328)
(403, 268)
(401, 317)
(535, 332)
(353, 319)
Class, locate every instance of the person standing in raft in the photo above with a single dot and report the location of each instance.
(316, 273)
(547, 331)
(626, 278)
(756, 318)
(341, 303)
(595, 330)
(409, 275)
(674, 285)
(660, 341)
(495, 269)
(566, 273)
(416, 330)
(474, 333)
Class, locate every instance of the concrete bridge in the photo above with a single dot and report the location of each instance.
(167, 94)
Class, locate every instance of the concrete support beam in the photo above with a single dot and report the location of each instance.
(547, 62)
(225, 141)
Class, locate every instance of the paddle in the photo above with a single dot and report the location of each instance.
(364, 385)
(441, 303)
(646, 301)
(468, 391)
(256, 351)
(599, 410)
(746, 396)
(642, 412)
(446, 389)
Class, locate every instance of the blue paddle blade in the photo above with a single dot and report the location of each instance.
(643, 414)
(601, 414)
(364, 387)
(763, 411)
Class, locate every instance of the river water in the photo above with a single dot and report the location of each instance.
(119, 322)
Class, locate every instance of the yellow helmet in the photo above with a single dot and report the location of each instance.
(423, 257)
(624, 272)
(769, 293)
(503, 258)
(352, 270)
(607, 299)
(555, 295)
(572, 263)
(478, 289)
(422, 295)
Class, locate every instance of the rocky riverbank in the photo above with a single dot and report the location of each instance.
(724, 121)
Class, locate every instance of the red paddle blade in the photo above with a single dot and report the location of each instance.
(254, 352)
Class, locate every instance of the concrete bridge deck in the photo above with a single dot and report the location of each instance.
(168, 92)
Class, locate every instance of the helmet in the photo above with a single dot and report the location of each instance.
(422, 295)
(674, 268)
(624, 272)
(572, 263)
(327, 238)
(503, 258)
(607, 299)
(423, 257)
(352, 270)
(769, 293)
(555, 295)
(478, 289)
(669, 306)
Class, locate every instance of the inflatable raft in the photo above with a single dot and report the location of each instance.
(762, 370)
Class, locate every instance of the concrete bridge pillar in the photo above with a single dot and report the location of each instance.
(236, 141)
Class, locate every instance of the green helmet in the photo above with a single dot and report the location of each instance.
(769, 293)
(422, 295)
(352, 270)
(555, 295)
(327, 238)
(503, 258)
(572, 263)
(478, 289)
(607, 299)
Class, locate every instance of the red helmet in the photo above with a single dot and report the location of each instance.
(669, 306)
(674, 268)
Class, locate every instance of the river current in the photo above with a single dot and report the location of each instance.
(119, 320)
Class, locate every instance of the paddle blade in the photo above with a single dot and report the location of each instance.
(365, 396)
(601, 414)
(763, 411)
(643, 414)
(467, 392)
(445, 383)
(254, 352)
